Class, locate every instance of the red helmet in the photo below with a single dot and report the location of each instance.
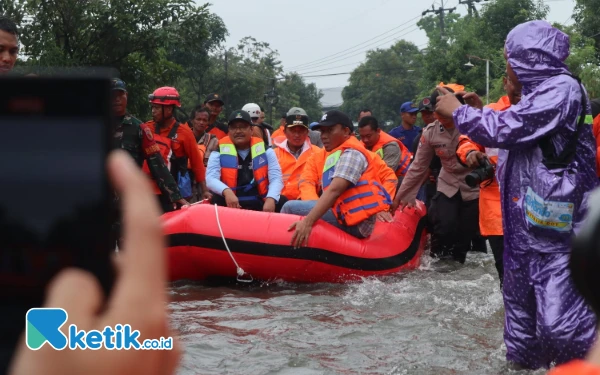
(165, 96)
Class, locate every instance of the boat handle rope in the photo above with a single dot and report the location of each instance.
(240, 270)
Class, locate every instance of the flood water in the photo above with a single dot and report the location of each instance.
(443, 318)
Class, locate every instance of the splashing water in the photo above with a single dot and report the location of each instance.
(443, 318)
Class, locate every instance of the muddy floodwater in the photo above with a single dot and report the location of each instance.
(440, 319)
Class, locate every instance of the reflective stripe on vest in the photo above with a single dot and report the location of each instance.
(229, 165)
(362, 200)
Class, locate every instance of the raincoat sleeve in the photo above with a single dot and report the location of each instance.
(158, 169)
(553, 105)
(465, 147)
(213, 174)
(419, 169)
(275, 177)
(309, 179)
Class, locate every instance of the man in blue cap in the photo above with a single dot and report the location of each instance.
(407, 131)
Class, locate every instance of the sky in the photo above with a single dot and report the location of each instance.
(307, 32)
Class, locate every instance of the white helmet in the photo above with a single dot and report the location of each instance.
(253, 109)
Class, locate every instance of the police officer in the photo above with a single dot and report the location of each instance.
(137, 139)
(454, 212)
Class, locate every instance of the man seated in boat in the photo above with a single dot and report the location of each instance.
(243, 173)
(293, 150)
(390, 149)
(352, 195)
(312, 175)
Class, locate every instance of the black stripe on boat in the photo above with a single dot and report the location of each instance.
(304, 253)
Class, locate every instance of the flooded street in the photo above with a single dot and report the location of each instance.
(441, 319)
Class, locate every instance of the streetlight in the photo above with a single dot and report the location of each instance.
(487, 75)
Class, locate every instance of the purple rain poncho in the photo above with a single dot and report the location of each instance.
(547, 321)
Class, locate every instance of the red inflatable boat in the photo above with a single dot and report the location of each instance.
(259, 246)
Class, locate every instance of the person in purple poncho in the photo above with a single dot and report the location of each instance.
(546, 172)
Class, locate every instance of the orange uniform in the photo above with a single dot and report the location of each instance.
(576, 367)
(596, 130)
(405, 154)
(278, 133)
(312, 174)
(291, 168)
(183, 145)
(490, 212)
(218, 129)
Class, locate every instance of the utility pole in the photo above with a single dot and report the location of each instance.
(471, 6)
(226, 96)
(441, 12)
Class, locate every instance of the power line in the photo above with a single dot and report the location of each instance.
(345, 56)
(355, 72)
(353, 47)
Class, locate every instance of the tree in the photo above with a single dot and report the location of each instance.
(294, 92)
(136, 37)
(384, 81)
(586, 20)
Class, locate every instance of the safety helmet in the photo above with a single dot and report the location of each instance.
(253, 109)
(165, 96)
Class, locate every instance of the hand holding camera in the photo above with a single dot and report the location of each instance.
(483, 173)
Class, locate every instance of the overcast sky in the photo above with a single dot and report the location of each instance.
(307, 32)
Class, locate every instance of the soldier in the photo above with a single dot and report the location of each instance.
(137, 139)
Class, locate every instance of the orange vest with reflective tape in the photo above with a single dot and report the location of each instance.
(291, 169)
(229, 164)
(405, 154)
(362, 200)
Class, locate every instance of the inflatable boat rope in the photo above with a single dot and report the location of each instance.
(240, 270)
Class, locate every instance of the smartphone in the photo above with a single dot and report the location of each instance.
(56, 206)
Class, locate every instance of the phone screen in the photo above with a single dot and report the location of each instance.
(55, 201)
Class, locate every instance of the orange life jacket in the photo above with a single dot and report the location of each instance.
(596, 131)
(291, 168)
(218, 132)
(405, 154)
(166, 150)
(362, 200)
(229, 164)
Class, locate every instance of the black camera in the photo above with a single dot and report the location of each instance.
(483, 173)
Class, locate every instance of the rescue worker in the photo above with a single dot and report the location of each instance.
(470, 154)
(9, 44)
(259, 130)
(407, 131)
(364, 112)
(292, 151)
(454, 208)
(351, 194)
(312, 175)
(392, 151)
(137, 139)
(214, 104)
(244, 173)
(177, 143)
(206, 142)
(280, 132)
(546, 171)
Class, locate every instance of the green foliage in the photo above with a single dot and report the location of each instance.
(586, 20)
(384, 81)
(150, 42)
